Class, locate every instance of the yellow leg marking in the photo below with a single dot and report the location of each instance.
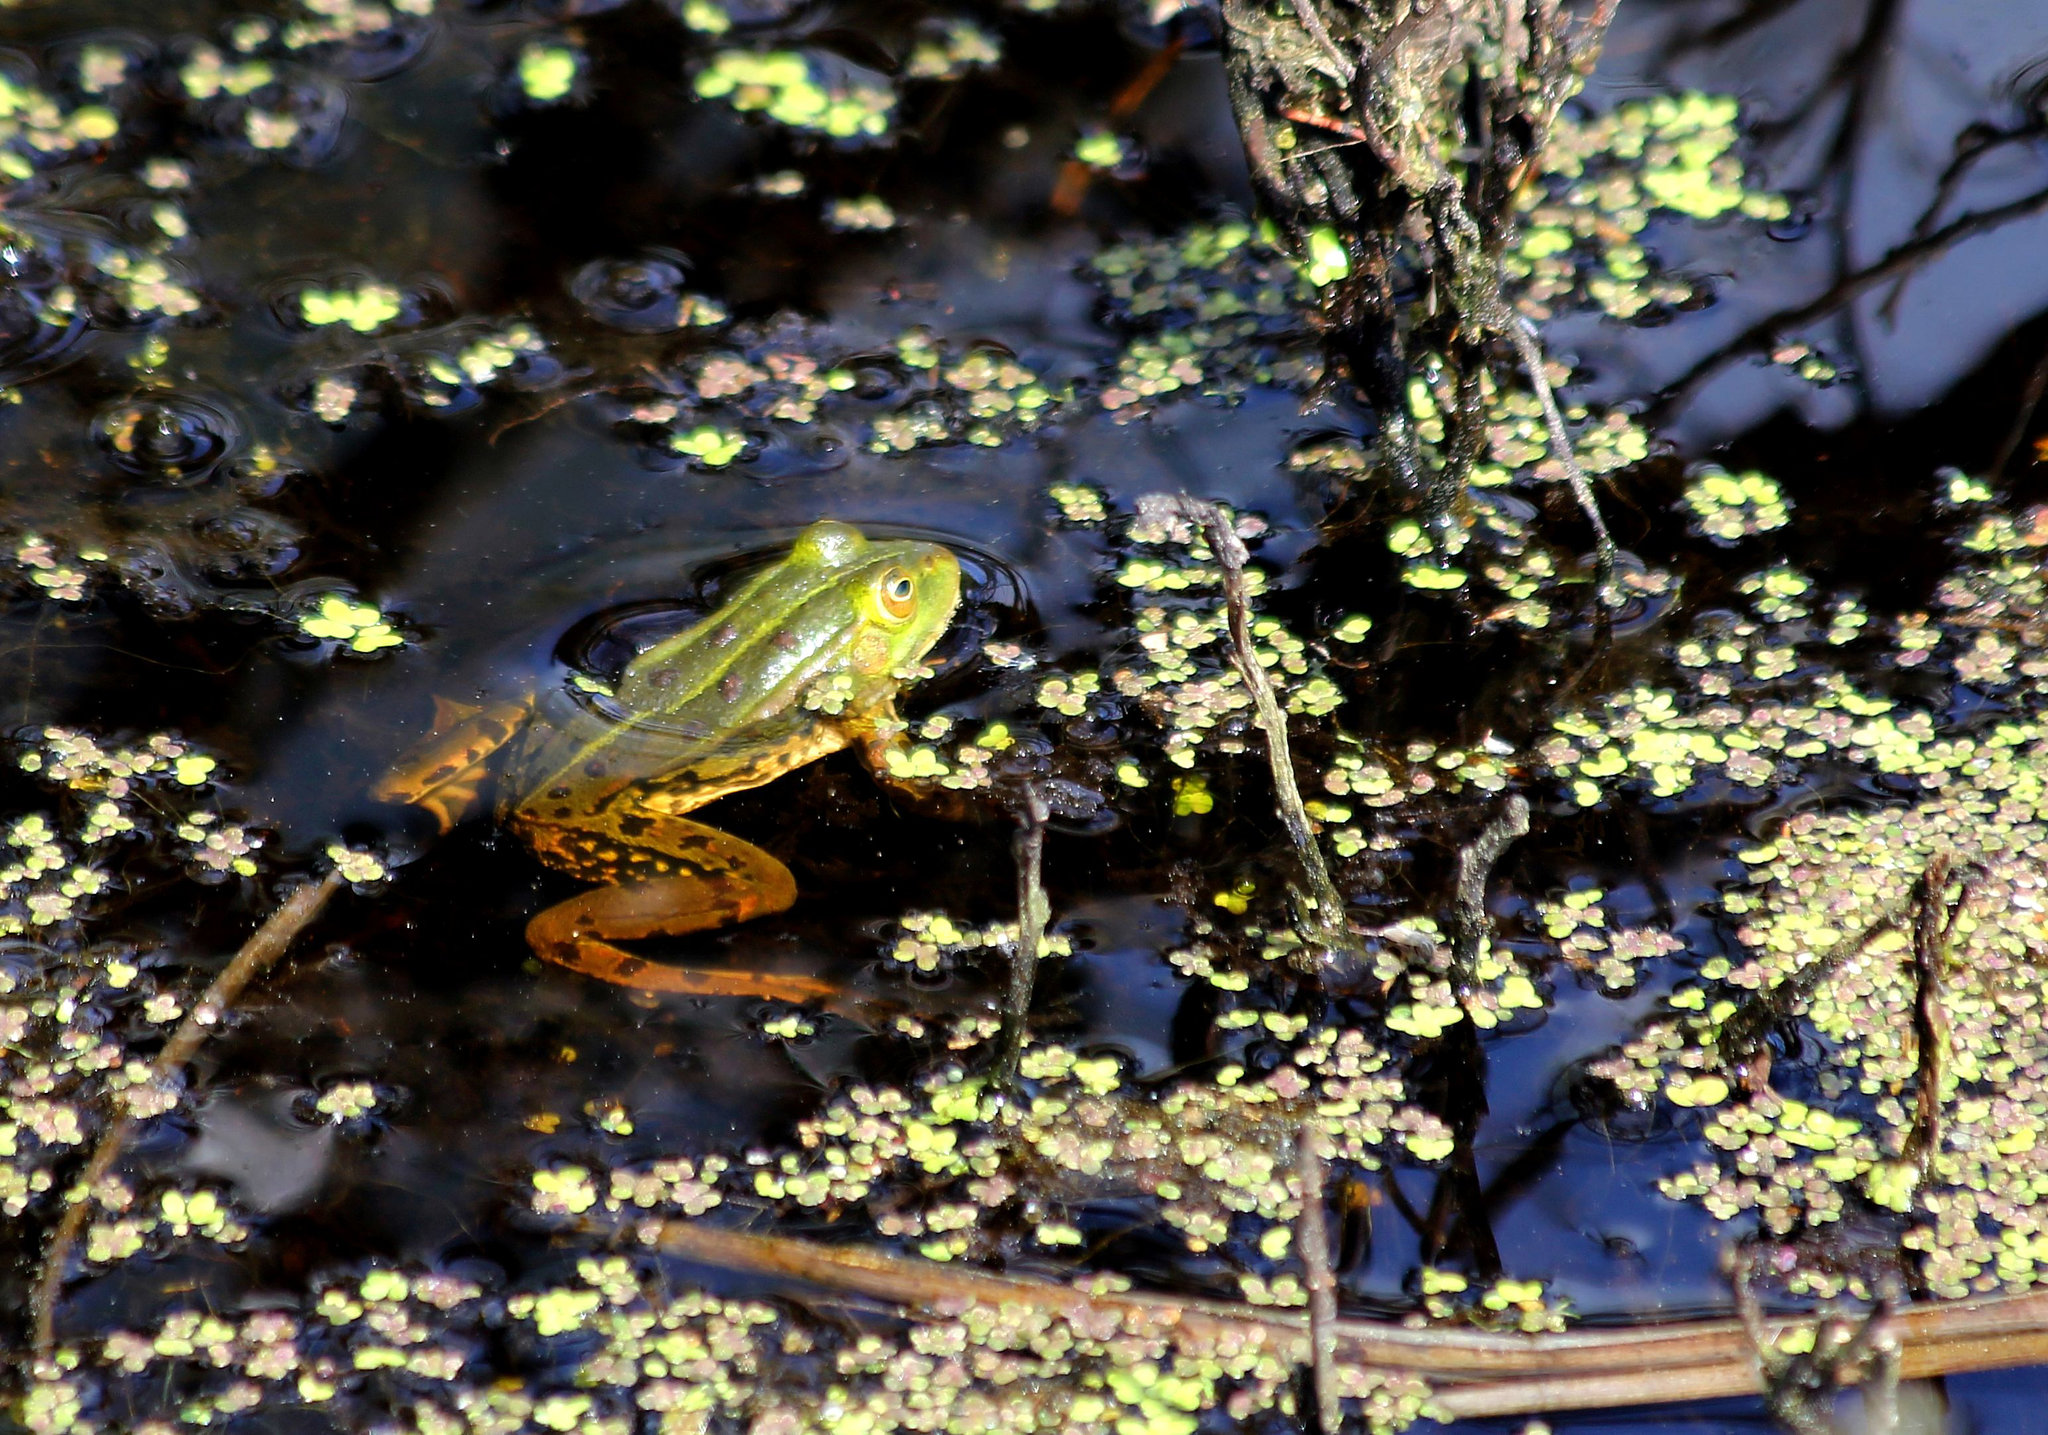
(722, 881)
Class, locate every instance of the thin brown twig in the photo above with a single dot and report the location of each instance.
(1033, 912)
(257, 955)
(1075, 177)
(1324, 122)
(1312, 1234)
(1325, 922)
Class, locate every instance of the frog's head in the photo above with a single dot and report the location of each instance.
(903, 593)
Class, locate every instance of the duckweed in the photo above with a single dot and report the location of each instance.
(548, 73)
(950, 47)
(1729, 506)
(1751, 697)
(1100, 149)
(364, 309)
(795, 89)
(360, 627)
(1603, 181)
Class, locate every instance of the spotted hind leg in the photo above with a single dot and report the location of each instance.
(672, 877)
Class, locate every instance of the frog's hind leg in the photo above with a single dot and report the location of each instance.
(670, 876)
(444, 772)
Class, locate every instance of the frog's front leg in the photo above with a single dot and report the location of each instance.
(664, 876)
(884, 747)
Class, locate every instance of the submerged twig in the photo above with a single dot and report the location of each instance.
(1311, 1151)
(1075, 177)
(1934, 930)
(1845, 1352)
(1742, 1035)
(257, 956)
(1033, 912)
(1324, 922)
(1476, 861)
(1930, 1022)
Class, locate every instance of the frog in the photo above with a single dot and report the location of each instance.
(805, 659)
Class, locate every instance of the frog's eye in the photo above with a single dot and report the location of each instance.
(898, 593)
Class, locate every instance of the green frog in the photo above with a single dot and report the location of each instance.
(805, 659)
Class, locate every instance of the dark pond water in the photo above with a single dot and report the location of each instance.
(512, 520)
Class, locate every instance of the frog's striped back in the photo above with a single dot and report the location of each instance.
(755, 689)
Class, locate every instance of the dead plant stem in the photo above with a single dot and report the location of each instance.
(1742, 1035)
(1033, 913)
(1312, 1235)
(1325, 924)
(1476, 861)
(1523, 335)
(257, 956)
(1930, 1018)
(1476, 1373)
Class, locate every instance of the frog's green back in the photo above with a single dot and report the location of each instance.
(803, 619)
(804, 648)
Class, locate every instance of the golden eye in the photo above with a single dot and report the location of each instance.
(899, 594)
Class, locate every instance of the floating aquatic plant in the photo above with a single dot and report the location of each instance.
(802, 90)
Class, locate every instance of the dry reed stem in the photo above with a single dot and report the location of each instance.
(1327, 923)
(1034, 911)
(1475, 1373)
(1529, 348)
(257, 955)
(1312, 1235)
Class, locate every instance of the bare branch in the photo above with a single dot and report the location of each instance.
(1312, 1235)
(1530, 348)
(257, 956)
(1033, 912)
(1476, 1374)
(1763, 335)
(1325, 922)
